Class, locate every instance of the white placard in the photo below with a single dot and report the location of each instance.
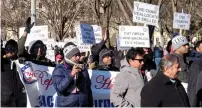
(85, 34)
(36, 33)
(118, 45)
(146, 13)
(134, 36)
(181, 21)
(98, 33)
(50, 54)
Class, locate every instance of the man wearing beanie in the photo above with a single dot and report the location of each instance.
(12, 89)
(71, 80)
(105, 60)
(181, 46)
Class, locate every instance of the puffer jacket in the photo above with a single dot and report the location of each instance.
(65, 84)
(127, 87)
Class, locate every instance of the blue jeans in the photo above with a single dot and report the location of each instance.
(157, 61)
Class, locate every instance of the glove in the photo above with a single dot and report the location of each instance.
(28, 25)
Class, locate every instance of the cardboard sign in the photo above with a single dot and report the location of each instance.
(97, 33)
(36, 33)
(134, 36)
(181, 21)
(85, 34)
(146, 13)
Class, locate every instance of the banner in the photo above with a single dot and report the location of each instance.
(181, 21)
(134, 36)
(36, 33)
(146, 13)
(37, 80)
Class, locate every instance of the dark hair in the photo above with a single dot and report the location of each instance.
(133, 52)
(168, 47)
(197, 44)
(12, 43)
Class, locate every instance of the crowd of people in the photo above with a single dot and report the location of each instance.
(147, 77)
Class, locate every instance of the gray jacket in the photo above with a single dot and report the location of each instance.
(183, 75)
(127, 87)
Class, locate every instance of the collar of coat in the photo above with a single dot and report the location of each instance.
(166, 80)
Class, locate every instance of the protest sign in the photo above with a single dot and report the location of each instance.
(85, 34)
(97, 33)
(36, 33)
(118, 45)
(146, 13)
(134, 36)
(40, 91)
(50, 43)
(50, 54)
(181, 21)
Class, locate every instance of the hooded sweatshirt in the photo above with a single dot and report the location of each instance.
(127, 87)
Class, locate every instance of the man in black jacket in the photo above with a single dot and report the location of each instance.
(12, 89)
(165, 90)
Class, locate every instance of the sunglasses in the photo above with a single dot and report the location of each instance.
(140, 60)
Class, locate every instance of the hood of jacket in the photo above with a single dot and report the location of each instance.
(125, 67)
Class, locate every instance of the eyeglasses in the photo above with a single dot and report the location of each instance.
(140, 60)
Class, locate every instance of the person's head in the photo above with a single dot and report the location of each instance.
(198, 46)
(169, 65)
(105, 56)
(146, 50)
(58, 58)
(180, 45)
(71, 53)
(82, 56)
(37, 48)
(135, 58)
(11, 49)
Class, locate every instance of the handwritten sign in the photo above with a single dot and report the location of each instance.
(98, 33)
(85, 34)
(118, 45)
(181, 21)
(134, 36)
(36, 33)
(146, 13)
(50, 54)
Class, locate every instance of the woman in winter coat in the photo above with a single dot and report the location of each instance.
(165, 90)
